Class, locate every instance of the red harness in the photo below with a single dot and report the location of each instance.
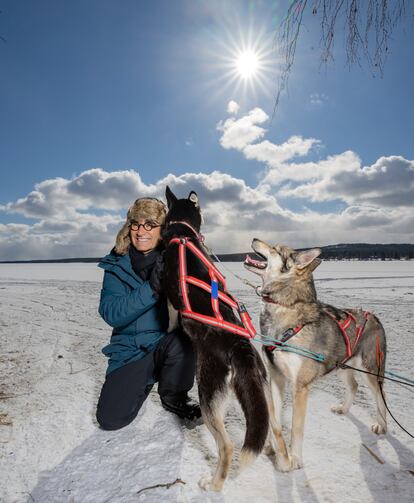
(345, 325)
(247, 330)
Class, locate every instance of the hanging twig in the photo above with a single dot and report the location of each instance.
(168, 485)
(381, 461)
(3, 396)
(72, 372)
(368, 26)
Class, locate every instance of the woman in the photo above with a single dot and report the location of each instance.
(141, 351)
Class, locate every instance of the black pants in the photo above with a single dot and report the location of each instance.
(125, 389)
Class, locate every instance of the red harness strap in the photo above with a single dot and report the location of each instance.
(247, 330)
(288, 334)
(344, 325)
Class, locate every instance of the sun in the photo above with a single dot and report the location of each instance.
(243, 62)
(247, 64)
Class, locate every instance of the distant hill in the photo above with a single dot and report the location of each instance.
(343, 251)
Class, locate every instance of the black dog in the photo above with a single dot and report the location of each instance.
(223, 358)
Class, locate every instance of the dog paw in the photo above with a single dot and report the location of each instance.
(378, 429)
(205, 482)
(268, 450)
(283, 464)
(296, 463)
(338, 409)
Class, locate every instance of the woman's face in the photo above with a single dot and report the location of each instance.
(145, 240)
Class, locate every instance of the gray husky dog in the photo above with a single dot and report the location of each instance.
(290, 302)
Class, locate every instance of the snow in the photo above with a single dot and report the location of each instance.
(51, 371)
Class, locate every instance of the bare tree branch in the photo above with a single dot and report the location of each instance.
(368, 26)
(2, 38)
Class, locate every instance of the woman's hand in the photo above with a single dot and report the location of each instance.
(157, 273)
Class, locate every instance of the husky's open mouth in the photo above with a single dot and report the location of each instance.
(258, 264)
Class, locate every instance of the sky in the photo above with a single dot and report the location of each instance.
(102, 102)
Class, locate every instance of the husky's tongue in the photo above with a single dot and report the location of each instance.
(260, 264)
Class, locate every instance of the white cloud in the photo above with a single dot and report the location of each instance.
(76, 229)
(239, 133)
(234, 214)
(233, 107)
(318, 98)
(274, 155)
(94, 188)
(389, 182)
(81, 216)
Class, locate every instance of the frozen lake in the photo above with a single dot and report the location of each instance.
(328, 270)
(51, 371)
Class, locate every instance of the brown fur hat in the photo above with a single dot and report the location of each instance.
(144, 208)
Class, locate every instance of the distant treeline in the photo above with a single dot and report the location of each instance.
(351, 251)
(364, 251)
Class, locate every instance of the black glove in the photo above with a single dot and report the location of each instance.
(156, 276)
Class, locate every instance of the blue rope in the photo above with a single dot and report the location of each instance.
(284, 346)
(398, 376)
(307, 353)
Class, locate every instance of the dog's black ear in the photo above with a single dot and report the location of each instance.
(308, 258)
(194, 198)
(171, 199)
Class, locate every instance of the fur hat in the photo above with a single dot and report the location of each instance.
(144, 208)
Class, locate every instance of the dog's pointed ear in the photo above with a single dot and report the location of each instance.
(308, 258)
(171, 199)
(194, 198)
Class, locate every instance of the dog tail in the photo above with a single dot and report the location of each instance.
(249, 381)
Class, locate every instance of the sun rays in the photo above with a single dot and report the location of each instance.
(242, 63)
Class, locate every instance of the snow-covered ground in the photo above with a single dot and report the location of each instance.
(51, 371)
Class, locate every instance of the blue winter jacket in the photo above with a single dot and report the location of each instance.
(128, 304)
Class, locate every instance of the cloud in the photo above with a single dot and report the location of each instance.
(274, 155)
(318, 99)
(81, 216)
(311, 171)
(389, 182)
(239, 133)
(234, 213)
(233, 107)
(71, 221)
(94, 188)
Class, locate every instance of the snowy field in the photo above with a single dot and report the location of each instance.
(51, 371)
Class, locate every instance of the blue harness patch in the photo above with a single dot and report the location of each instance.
(214, 289)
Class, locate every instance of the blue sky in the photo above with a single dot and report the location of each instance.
(104, 101)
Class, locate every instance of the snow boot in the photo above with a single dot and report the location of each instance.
(182, 405)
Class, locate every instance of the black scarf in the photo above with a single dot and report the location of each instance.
(142, 264)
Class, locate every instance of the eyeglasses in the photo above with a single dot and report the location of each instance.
(148, 226)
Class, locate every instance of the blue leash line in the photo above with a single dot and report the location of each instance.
(284, 346)
(398, 376)
(307, 353)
